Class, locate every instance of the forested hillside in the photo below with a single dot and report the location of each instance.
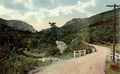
(20, 49)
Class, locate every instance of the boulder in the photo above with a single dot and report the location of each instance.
(61, 46)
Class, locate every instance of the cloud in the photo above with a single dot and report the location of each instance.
(101, 6)
(35, 12)
(12, 4)
(29, 4)
(10, 12)
(53, 1)
(42, 3)
(51, 4)
(19, 1)
(29, 17)
(59, 8)
(66, 10)
(87, 4)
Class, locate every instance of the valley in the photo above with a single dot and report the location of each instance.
(21, 45)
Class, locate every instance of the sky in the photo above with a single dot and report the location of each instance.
(39, 13)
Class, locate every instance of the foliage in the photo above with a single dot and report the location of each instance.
(118, 48)
(108, 69)
(54, 51)
(65, 56)
(13, 63)
(96, 29)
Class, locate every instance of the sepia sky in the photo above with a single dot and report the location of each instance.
(39, 12)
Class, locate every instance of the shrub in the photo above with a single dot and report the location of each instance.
(14, 63)
(54, 51)
(67, 55)
(68, 50)
(111, 68)
(114, 67)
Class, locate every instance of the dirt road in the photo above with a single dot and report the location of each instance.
(93, 63)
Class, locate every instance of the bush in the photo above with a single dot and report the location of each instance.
(14, 63)
(67, 55)
(54, 51)
(112, 69)
(68, 50)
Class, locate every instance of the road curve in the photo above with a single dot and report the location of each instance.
(93, 63)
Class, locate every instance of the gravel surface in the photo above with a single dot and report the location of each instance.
(93, 63)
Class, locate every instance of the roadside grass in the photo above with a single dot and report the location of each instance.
(117, 47)
(65, 56)
(108, 70)
(20, 64)
(33, 55)
(108, 63)
(23, 62)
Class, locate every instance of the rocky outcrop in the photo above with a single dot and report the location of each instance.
(61, 46)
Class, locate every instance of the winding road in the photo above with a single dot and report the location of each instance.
(93, 63)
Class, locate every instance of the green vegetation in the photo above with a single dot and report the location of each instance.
(118, 48)
(13, 44)
(113, 70)
(20, 50)
(108, 69)
(14, 63)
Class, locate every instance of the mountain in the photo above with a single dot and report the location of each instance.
(74, 21)
(98, 28)
(94, 29)
(20, 25)
(75, 33)
(46, 30)
(93, 20)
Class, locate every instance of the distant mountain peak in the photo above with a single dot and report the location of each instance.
(93, 20)
(74, 20)
(20, 25)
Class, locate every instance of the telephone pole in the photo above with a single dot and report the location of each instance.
(114, 29)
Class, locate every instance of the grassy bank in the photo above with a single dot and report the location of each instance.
(108, 63)
(15, 63)
(111, 71)
(117, 47)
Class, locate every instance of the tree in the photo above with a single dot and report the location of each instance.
(52, 24)
(52, 36)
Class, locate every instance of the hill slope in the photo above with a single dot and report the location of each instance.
(14, 41)
(20, 25)
(95, 29)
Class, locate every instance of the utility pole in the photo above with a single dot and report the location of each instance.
(114, 29)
